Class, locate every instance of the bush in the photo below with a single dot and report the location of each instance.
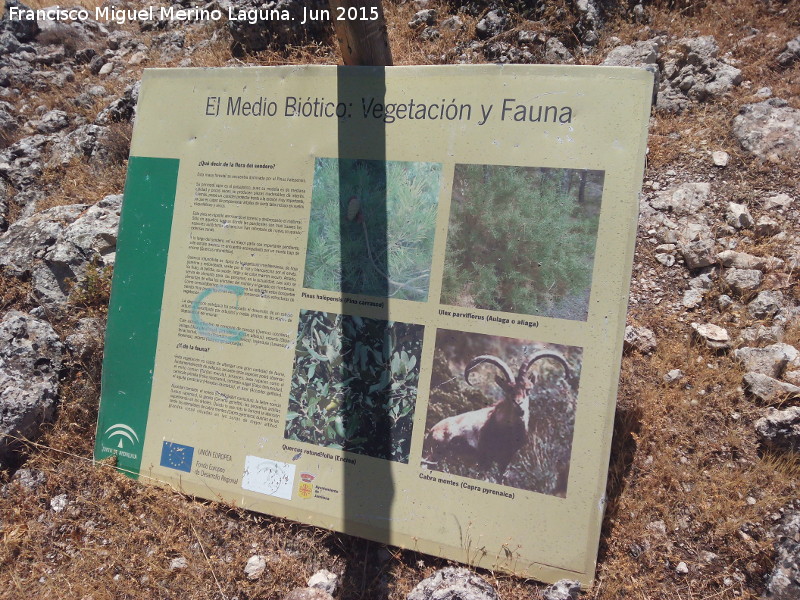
(522, 240)
(354, 385)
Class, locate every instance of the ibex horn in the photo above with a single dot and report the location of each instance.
(492, 360)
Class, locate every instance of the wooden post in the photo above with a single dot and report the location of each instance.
(362, 38)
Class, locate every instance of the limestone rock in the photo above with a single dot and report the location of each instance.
(3, 206)
(638, 54)
(564, 589)
(30, 361)
(452, 23)
(698, 254)
(783, 582)
(263, 33)
(765, 305)
(701, 282)
(123, 109)
(770, 360)
(27, 240)
(665, 259)
(59, 503)
(769, 390)
(85, 343)
(739, 216)
(53, 121)
(422, 18)
(770, 130)
(255, 566)
(639, 338)
(78, 143)
(692, 298)
(714, 336)
(30, 479)
(791, 53)
(760, 334)
(453, 583)
(324, 580)
(741, 260)
(778, 202)
(743, 281)
(22, 29)
(91, 239)
(720, 158)
(21, 164)
(692, 72)
(556, 53)
(780, 429)
(673, 375)
(494, 23)
(767, 227)
(686, 199)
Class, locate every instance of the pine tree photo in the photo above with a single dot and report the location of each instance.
(522, 239)
(372, 227)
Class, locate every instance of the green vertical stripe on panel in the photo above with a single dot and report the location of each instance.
(135, 310)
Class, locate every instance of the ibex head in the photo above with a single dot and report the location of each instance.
(516, 389)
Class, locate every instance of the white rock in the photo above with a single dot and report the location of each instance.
(673, 375)
(692, 298)
(724, 301)
(701, 282)
(765, 305)
(564, 589)
(714, 336)
(778, 201)
(686, 199)
(639, 338)
(255, 566)
(743, 280)
(698, 254)
(770, 360)
(324, 580)
(682, 569)
(769, 390)
(739, 216)
(720, 158)
(741, 260)
(665, 259)
(59, 503)
(766, 227)
(178, 563)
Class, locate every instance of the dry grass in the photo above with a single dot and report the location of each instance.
(696, 482)
(686, 477)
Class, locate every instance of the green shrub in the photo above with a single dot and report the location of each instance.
(522, 240)
(354, 385)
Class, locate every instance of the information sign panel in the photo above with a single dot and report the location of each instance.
(388, 302)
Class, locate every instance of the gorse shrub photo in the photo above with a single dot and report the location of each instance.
(522, 240)
(502, 410)
(372, 227)
(354, 385)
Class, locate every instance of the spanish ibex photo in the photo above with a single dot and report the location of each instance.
(495, 434)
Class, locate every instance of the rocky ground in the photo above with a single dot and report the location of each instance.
(702, 496)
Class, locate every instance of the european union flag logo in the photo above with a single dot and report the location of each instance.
(177, 456)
